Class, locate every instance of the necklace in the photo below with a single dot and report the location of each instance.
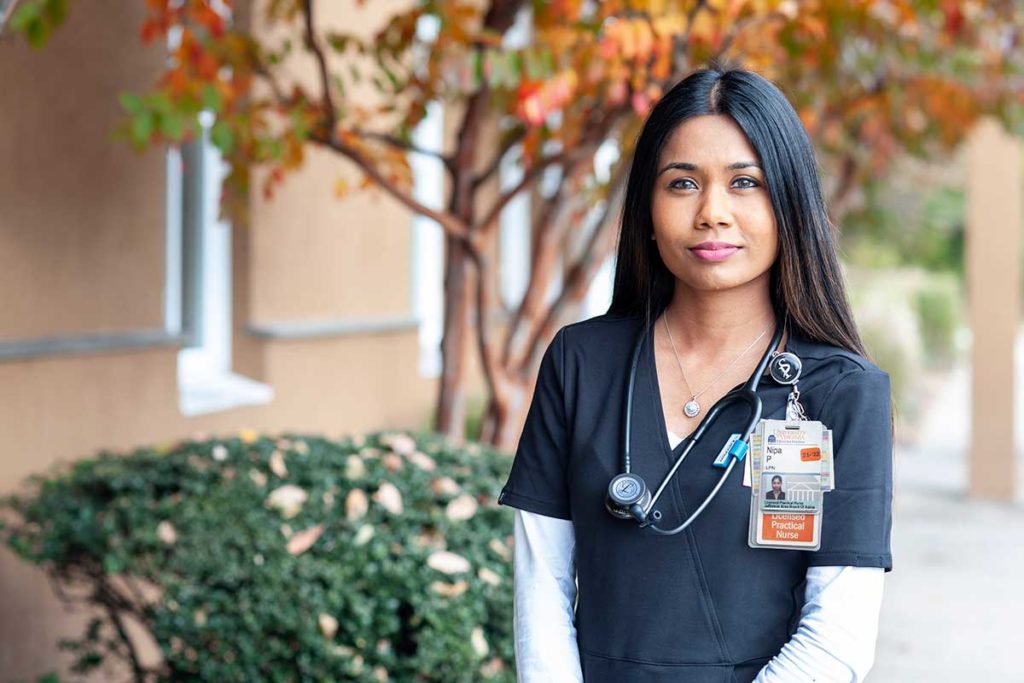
(692, 407)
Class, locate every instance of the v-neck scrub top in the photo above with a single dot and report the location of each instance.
(702, 605)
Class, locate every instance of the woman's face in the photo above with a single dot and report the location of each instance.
(713, 219)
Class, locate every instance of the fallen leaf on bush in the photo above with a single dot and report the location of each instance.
(248, 435)
(389, 497)
(343, 650)
(199, 463)
(166, 532)
(461, 508)
(449, 590)
(364, 534)
(500, 548)
(283, 444)
(391, 462)
(402, 444)
(301, 447)
(479, 642)
(423, 461)
(356, 504)
(492, 668)
(447, 562)
(288, 499)
(199, 617)
(304, 540)
(286, 530)
(369, 453)
(430, 538)
(380, 674)
(354, 467)
(219, 452)
(228, 473)
(277, 465)
(328, 625)
(258, 478)
(488, 576)
(445, 486)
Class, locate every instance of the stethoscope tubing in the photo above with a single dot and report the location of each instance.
(746, 393)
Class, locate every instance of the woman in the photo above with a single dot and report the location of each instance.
(724, 236)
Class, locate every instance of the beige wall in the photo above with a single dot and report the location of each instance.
(79, 246)
(82, 251)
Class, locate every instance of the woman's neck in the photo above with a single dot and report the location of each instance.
(703, 321)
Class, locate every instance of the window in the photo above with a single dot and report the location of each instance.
(198, 287)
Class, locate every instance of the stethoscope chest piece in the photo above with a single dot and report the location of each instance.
(628, 496)
(785, 368)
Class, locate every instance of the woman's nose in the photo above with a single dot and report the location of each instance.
(714, 209)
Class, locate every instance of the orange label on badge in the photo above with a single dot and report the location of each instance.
(810, 454)
(788, 528)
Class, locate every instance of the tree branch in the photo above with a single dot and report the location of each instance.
(114, 604)
(491, 217)
(484, 296)
(321, 60)
(516, 135)
(448, 161)
(452, 225)
(581, 273)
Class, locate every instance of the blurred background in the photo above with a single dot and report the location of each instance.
(225, 223)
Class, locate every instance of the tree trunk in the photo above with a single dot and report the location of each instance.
(451, 404)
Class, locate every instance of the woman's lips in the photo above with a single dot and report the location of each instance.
(713, 253)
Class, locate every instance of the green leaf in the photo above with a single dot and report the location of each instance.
(211, 98)
(141, 128)
(111, 564)
(131, 102)
(222, 137)
(37, 32)
(55, 11)
(24, 15)
(173, 126)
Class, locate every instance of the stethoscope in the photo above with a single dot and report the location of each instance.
(628, 495)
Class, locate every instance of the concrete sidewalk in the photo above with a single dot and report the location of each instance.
(954, 602)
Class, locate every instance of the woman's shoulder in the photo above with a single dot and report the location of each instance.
(601, 333)
(605, 322)
(824, 353)
(827, 366)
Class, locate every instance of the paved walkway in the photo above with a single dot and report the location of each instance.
(954, 603)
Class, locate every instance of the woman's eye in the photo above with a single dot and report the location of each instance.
(682, 184)
(746, 182)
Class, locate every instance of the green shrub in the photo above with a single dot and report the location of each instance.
(406, 576)
(937, 309)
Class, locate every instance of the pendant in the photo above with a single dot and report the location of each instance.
(691, 408)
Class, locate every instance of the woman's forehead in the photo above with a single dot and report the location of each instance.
(708, 142)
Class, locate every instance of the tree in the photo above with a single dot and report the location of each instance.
(871, 79)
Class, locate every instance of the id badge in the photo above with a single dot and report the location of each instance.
(790, 471)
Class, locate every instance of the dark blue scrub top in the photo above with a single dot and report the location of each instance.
(701, 605)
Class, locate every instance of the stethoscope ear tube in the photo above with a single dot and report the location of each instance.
(628, 494)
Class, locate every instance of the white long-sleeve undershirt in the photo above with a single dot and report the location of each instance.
(834, 640)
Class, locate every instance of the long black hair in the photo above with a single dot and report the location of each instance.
(807, 290)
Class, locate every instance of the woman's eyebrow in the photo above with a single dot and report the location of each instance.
(687, 166)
